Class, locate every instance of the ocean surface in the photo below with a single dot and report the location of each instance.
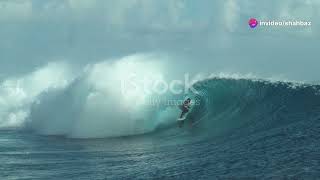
(242, 128)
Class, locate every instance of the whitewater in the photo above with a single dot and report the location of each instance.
(63, 122)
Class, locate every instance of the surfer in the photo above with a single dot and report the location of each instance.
(185, 107)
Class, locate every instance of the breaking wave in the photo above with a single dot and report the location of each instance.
(57, 101)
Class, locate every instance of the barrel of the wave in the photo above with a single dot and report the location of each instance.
(199, 108)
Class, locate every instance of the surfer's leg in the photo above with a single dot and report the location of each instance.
(182, 114)
(184, 111)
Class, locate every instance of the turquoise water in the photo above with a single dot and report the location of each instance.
(248, 129)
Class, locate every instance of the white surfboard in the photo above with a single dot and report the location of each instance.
(181, 119)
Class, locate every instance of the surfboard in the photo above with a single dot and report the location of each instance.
(181, 119)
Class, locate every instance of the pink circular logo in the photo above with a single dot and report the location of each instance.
(253, 22)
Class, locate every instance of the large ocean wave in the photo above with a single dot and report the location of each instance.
(92, 104)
